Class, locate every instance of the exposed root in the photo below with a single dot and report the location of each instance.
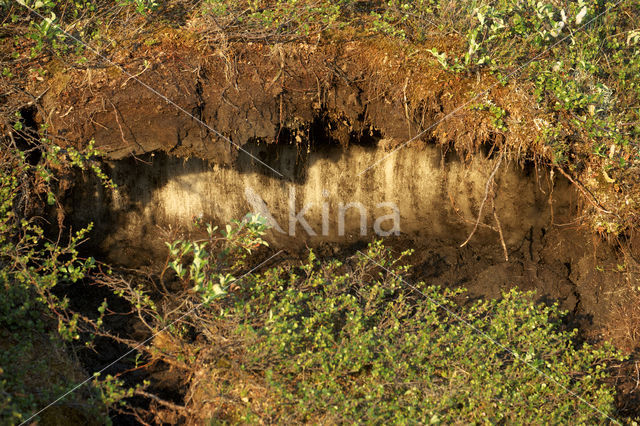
(588, 194)
(161, 401)
(124, 140)
(504, 246)
(464, 219)
(135, 76)
(487, 189)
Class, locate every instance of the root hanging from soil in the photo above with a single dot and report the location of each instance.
(504, 246)
(588, 194)
(487, 189)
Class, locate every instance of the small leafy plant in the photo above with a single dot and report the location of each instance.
(497, 113)
(210, 259)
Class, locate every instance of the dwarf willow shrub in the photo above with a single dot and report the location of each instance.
(31, 267)
(331, 341)
(343, 342)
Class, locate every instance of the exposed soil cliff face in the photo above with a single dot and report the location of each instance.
(300, 127)
(432, 203)
(417, 192)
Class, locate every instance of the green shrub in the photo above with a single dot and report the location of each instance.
(32, 268)
(343, 342)
(332, 341)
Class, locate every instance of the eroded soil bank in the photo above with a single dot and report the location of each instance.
(315, 139)
(292, 130)
(417, 192)
(517, 166)
(420, 197)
